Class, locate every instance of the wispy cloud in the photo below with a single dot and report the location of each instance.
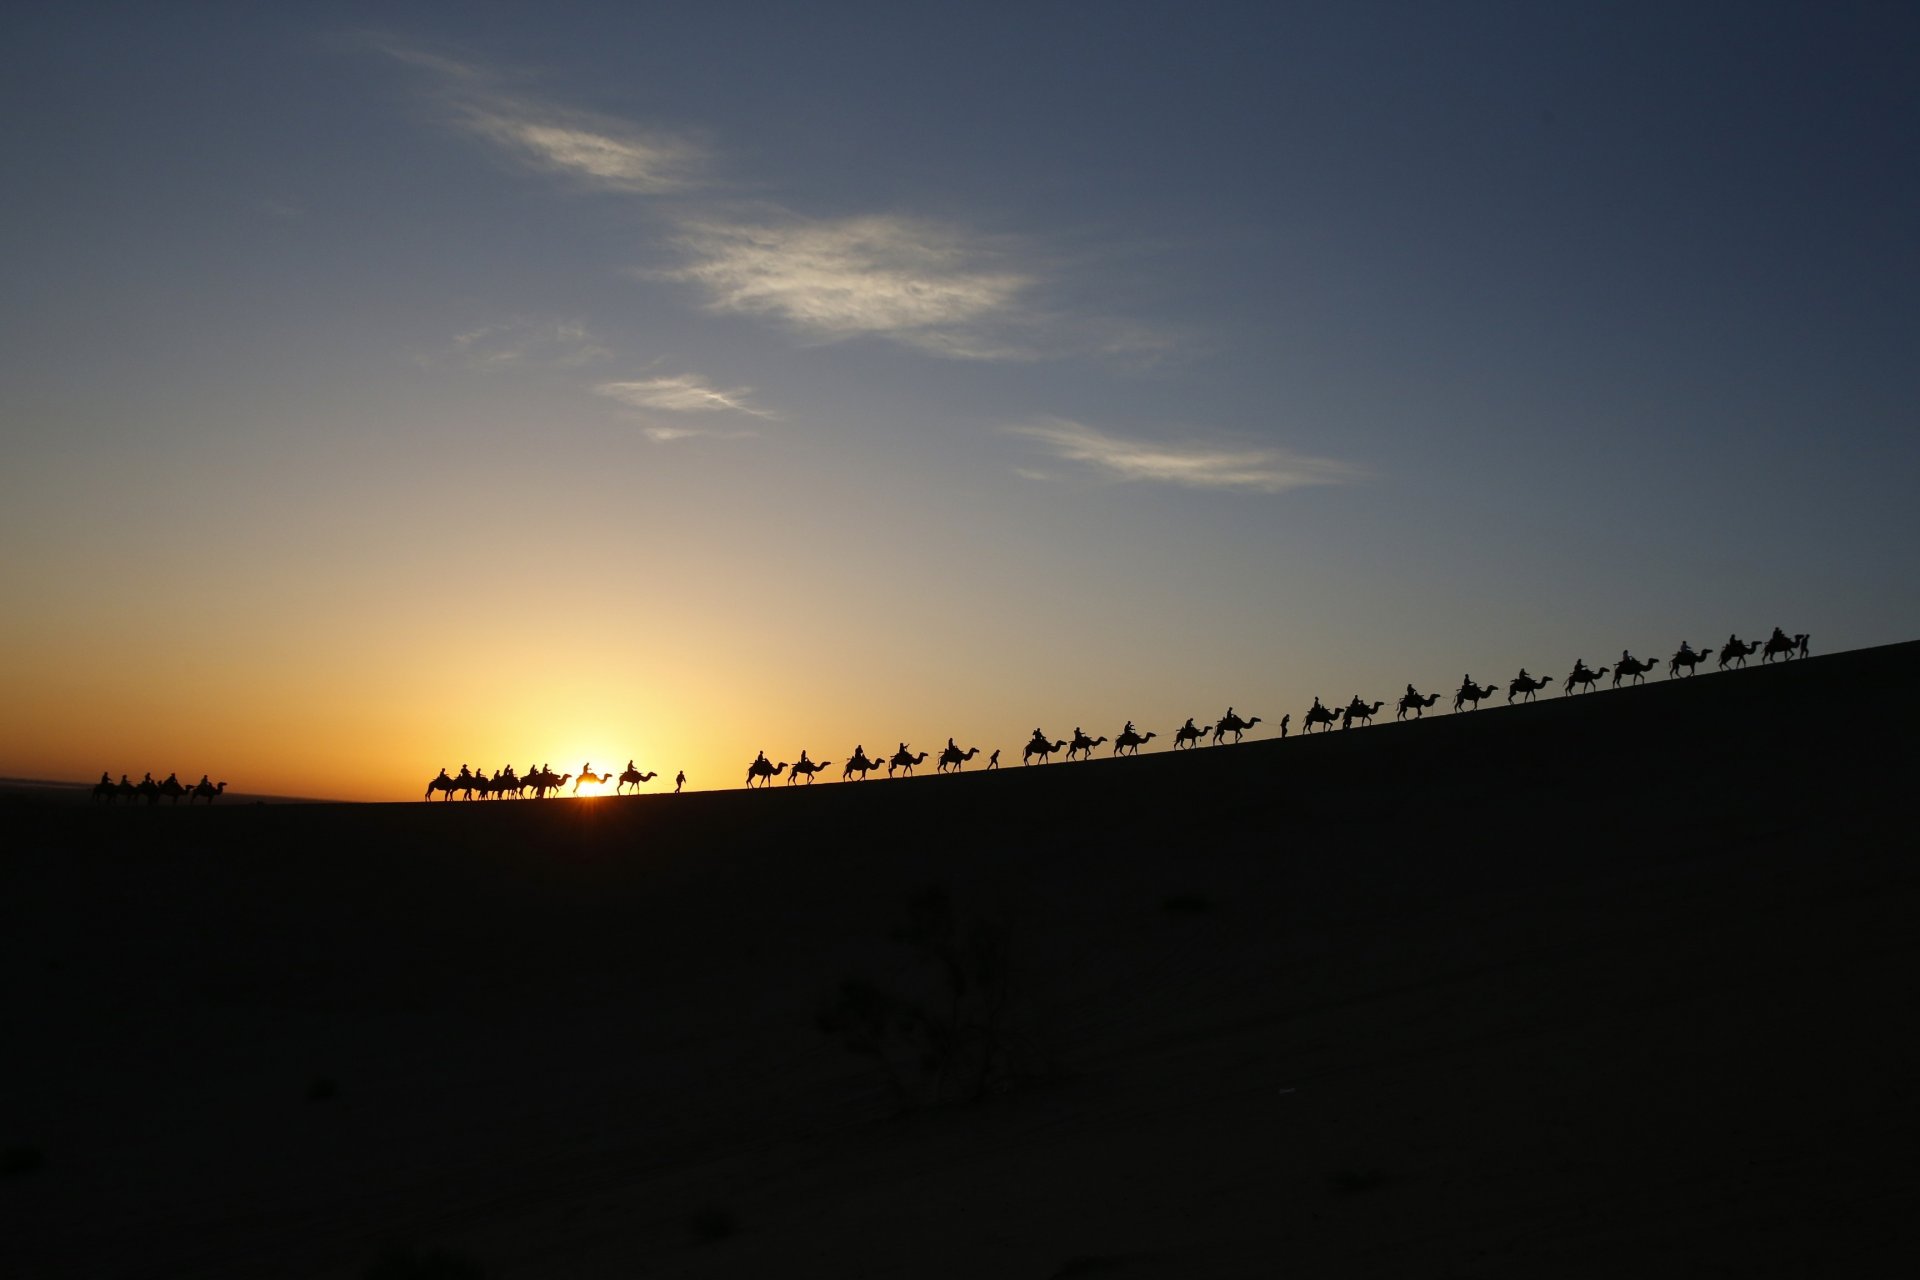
(586, 147)
(688, 393)
(1253, 470)
(915, 282)
(593, 150)
(566, 344)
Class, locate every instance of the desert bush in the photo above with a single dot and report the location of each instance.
(939, 1032)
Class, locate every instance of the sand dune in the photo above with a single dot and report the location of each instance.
(1609, 985)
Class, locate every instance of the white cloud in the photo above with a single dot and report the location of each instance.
(593, 150)
(1254, 470)
(915, 282)
(568, 344)
(688, 393)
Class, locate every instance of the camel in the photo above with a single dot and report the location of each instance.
(1631, 667)
(1527, 686)
(1415, 703)
(588, 775)
(1317, 714)
(1187, 735)
(171, 789)
(1735, 652)
(126, 789)
(859, 764)
(1129, 742)
(1083, 745)
(765, 772)
(632, 777)
(105, 790)
(208, 791)
(1471, 693)
(1358, 710)
(1784, 646)
(1232, 725)
(807, 767)
(1684, 658)
(442, 784)
(956, 759)
(544, 780)
(1040, 747)
(1583, 677)
(902, 760)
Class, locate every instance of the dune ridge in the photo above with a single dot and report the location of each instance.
(1611, 984)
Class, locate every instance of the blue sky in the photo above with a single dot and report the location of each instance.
(758, 372)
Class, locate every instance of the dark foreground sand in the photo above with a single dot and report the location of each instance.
(1617, 985)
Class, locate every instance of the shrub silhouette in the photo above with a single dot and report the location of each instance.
(944, 1037)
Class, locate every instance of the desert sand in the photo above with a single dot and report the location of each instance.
(1616, 984)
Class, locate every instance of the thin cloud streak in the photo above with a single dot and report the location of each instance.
(914, 282)
(566, 344)
(592, 150)
(688, 393)
(1195, 467)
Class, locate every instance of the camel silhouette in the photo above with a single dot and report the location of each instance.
(1781, 645)
(1358, 710)
(858, 764)
(1684, 658)
(588, 775)
(955, 759)
(1631, 668)
(1188, 735)
(1735, 652)
(1129, 743)
(1042, 748)
(1526, 686)
(1415, 703)
(1583, 677)
(1471, 693)
(106, 790)
(765, 772)
(208, 791)
(1318, 715)
(1234, 725)
(1083, 745)
(902, 760)
(631, 777)
(808, 768)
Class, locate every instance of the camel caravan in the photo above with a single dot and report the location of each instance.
(106, 791)
(540, 782)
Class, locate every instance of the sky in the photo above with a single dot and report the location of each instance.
(392, 387)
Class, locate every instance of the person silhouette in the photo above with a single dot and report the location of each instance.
(204, 781)
(904, 751)
(1128, 731)
(1686, 648)
(1230, 711)
(1285, 720)
(1525, 676)
(1626, 658)
(105, 779)
(630, 765)
(950, 745)
(1188, 726)
(993, 761)
(1039, 738)
(803, 759)
(679, 781)
(1413, 694)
